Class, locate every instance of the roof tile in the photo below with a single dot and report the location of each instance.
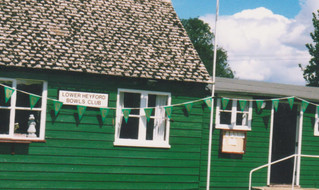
(144, 38)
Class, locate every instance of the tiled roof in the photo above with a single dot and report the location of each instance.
(131, 38)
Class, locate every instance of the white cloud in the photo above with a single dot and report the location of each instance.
(265, 46)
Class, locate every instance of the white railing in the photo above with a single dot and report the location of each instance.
(280, 160)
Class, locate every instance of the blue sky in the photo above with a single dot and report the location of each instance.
(264, 39)
(195, 8)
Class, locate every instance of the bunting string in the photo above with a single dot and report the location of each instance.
(168, 109)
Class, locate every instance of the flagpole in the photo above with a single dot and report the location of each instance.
(212, 107)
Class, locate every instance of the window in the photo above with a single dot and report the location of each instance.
(138, 131)
(16, 115)
(232, 117)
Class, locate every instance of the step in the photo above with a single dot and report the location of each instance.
(282, 187)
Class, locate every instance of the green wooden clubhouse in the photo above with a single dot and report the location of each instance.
(111, 94)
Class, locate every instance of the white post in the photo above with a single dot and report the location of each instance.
(299, 147)
(293, 174)
(270, 142)
(212, 107)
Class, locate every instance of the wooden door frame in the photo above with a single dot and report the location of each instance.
(298, 141)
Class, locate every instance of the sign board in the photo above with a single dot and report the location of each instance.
(88, 99)
(233, 142)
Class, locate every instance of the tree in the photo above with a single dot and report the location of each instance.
(311, 72)
(202, 39)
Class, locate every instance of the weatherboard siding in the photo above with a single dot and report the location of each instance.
(231, 171)
(80, 154)
(309, 169)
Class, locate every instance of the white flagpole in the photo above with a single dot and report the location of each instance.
(212, 107)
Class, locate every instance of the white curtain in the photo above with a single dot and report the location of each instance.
(159, 122)
(119, 114)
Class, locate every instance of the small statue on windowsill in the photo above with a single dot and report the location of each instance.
(16, 127)
(31, 129)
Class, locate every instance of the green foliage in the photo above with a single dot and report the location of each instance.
(202, 39)
(311, 71)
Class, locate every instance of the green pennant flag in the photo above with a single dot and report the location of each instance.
(189, 107)
(169, 110)
(126, 113)
(275, 102)
(225, 102)
(259, 104)
(81, 110)
(33, 100)
(104, 112)
(242, 104)
(318, 110)
(57, 106)
(291, 102)
(304, 105)
(8, 93)
(208, 102)
(148, 113)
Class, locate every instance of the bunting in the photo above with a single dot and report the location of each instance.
(259, 104)
(81, 110)
(33, 100)
(57, 106)
(275, 102)
(304, 105)
(126, 113)
(169, 110)
(8, 93)
(148, 113)
(104, 112)
(189, 107)
(225, 102)
(208, 102)
(291, 102)
(242, 105)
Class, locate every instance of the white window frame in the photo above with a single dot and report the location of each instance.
(316, 127)
(13, 109)
(234, 111)
(141, 141)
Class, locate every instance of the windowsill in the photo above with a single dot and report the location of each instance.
(146, 144)
(22, 141)
(229, 127)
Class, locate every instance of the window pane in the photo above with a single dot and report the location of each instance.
(4, 121)
(129, 130)
(228, 107)
(242, 119)
(246, 106)
(151, 102)
(2, 93)
(150, 129)
(159, 122)
(22, 122)
(225, 118)
(33, 87)
(132, 100)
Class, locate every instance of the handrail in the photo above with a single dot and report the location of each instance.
(263, 166)
(280, 160)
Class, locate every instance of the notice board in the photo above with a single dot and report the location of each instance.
(233, 142)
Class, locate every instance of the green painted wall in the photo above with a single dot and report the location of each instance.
(309, 169)
(231, 171)
(81, 155)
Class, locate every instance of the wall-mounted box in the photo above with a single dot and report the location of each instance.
(233, 142)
